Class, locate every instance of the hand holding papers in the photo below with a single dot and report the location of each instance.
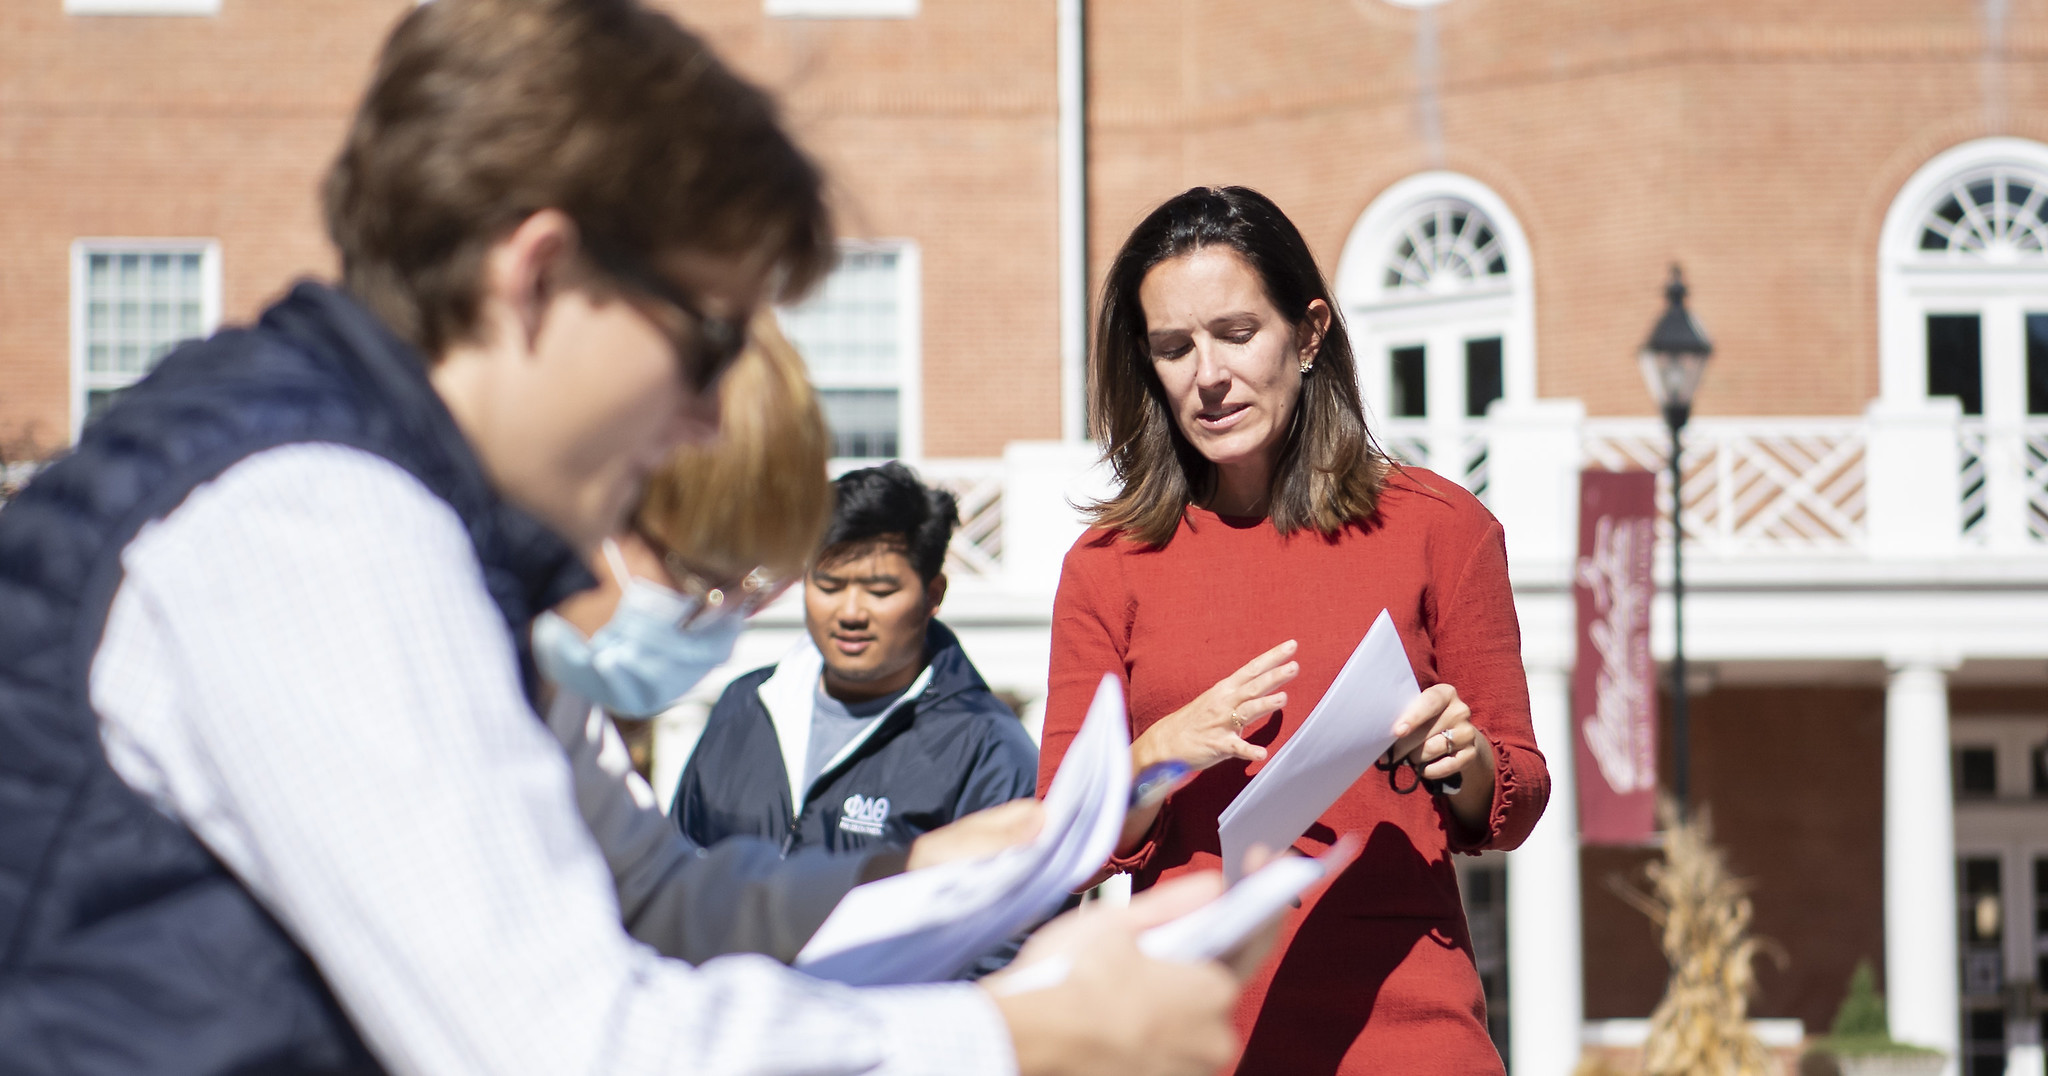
(926, 925)
(1344, 735)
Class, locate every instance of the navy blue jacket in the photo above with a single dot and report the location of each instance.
(125, 946)
(951, 750)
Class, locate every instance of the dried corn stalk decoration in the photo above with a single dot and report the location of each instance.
(1701, 1028)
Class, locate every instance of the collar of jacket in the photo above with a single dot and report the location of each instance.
(790, 692)
(527, 567)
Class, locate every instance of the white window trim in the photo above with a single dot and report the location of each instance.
(1910, 288)
(909, 379)
(1379, 321)
(81, 249)
(839, 9)
(141, 7)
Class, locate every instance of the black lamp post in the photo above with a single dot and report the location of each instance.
(1673, 360)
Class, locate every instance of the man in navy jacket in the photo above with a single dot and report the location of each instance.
(876, 730)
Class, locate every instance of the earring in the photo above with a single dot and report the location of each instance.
(1307, 365)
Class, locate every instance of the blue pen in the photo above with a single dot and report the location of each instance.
(1156, 782)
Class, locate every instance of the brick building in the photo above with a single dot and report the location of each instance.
(1497, 189)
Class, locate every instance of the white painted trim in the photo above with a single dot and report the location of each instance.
(1779, 1033)
(1073, 208)
(910, 314)
(1909, 288)
(141, 7)
(209, 297)
(839, 9)
(1375, 321)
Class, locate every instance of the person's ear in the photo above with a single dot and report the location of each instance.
(934, 593)
(1315, 324)
(524, 271)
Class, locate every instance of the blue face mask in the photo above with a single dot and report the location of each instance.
(641, 661)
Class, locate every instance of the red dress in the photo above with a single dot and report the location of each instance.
(1375, 975)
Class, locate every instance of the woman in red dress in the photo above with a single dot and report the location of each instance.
(1257, 534)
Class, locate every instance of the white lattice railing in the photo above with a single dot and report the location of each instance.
(1751, 486)
(2004, 482)
(2034, 455)
(1459, 454)
(977, 484)
(1972, 441)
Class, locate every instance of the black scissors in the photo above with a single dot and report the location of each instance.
(1437, 786)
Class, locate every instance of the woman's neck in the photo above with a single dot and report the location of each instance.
(1241, 491)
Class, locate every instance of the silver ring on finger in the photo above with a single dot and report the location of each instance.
(1450, 741)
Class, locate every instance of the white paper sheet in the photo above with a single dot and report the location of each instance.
(1344, 735)
(1217, 928)
(926, 925)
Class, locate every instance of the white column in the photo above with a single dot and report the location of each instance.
(1922, 995)
(1546, 983)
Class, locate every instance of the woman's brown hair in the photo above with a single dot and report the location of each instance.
(1328, 473)
(759, 495)
(483, 112)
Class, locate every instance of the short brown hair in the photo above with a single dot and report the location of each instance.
(1329, 472)
(759, 495)
(483, 112)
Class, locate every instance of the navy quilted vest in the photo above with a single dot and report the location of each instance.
(125, 947)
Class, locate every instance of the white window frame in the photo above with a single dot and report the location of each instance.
(1381, 319)
(1912, 286)
(839, 9)
(82, 380)
(141, 7)
(909, 378)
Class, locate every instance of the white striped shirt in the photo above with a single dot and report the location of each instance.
(302, 666)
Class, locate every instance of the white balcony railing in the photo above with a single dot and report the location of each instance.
(1752, 486)
(977, 485)
(2004, 482)
(1457, 452)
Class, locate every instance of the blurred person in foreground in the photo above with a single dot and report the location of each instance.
(1256, 535)
(720, 532)
(877, 728)
(276, 797)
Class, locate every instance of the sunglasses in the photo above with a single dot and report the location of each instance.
(703, 356)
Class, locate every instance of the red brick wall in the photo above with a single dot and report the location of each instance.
(1758, 143)
(214, 127)
(940, 128)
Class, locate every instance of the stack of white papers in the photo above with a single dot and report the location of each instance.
(927, 925)
(1217, 928)
(1344, 735)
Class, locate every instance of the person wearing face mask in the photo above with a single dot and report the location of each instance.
(672, 597)
(277, 795)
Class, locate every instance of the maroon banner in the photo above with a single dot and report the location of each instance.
(1614, 686)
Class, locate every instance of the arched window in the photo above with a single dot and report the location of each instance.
(1435, 286)
(1964, 314)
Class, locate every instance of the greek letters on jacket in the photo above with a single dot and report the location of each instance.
(948, 750)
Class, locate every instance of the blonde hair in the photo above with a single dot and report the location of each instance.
(759, 494)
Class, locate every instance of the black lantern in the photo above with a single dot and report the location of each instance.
(1673, 360)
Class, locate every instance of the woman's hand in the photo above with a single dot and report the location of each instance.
(1211, 728)
(1437, 735)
